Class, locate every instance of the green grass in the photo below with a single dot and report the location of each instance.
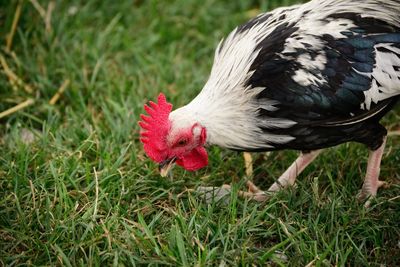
(82, 192)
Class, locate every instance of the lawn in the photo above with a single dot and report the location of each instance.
(76, 188)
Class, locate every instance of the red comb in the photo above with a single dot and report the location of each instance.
(155, 128)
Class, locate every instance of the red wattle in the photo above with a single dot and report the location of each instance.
(194, 160)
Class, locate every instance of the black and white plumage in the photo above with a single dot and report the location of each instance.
(304, 77)
(312, 76)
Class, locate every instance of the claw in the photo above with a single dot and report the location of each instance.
(368, 193)
(383, 184)
(254, 193)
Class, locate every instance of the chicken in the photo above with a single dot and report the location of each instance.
(305, 77)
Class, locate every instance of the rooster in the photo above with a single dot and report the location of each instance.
(305, 77)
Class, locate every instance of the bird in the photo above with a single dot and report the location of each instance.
(305, 77)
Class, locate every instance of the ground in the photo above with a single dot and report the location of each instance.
(77, 190)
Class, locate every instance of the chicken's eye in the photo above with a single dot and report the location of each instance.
(182, 142)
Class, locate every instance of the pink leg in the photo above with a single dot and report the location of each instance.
(371, 181)
(287, 178)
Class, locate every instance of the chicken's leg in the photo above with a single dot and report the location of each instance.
(288, 178)
(371, 181)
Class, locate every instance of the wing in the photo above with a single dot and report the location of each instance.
(345, 71)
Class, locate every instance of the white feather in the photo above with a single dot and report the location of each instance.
(385, 74)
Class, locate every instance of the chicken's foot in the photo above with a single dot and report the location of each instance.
(288, 178)
(371, 181)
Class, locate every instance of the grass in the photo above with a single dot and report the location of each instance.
(77, 190)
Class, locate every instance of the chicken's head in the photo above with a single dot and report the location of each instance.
(168, 141)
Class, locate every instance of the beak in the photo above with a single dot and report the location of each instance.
(165, 166)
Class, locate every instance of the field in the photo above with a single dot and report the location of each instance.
(76, 188)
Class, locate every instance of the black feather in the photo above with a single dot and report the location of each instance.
(327, 111)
